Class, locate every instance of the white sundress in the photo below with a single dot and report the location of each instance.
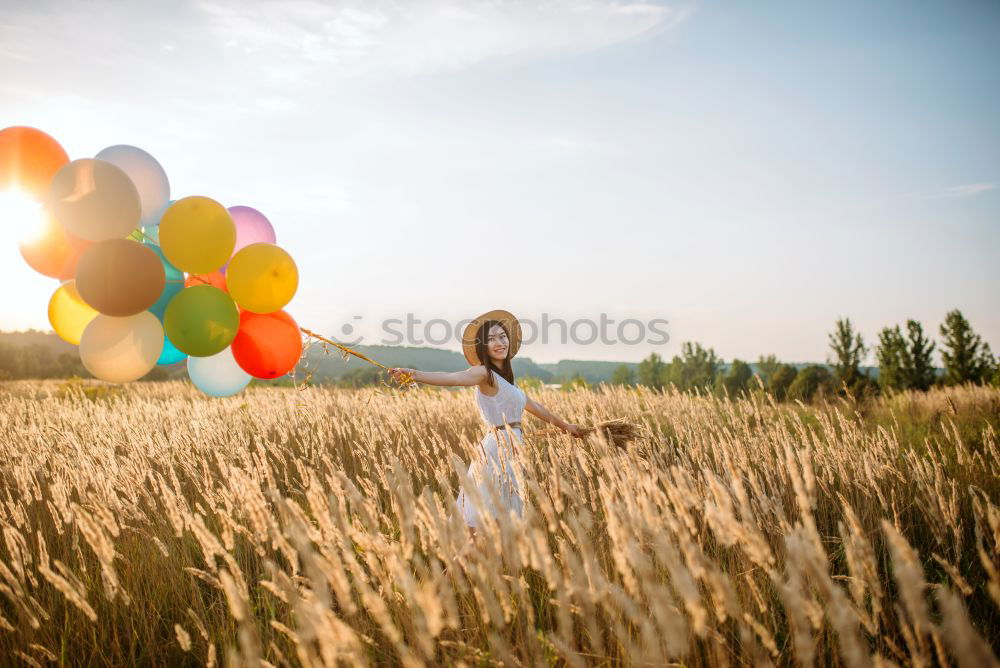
(495, 467)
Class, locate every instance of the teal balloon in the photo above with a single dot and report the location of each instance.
(170, 354)
(170, 270)
(152, 228)
(174, 284)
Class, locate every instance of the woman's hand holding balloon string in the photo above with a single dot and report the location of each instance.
(403, 374)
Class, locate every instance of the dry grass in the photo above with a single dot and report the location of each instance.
(154, 526)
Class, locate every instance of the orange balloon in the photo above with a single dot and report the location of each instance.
(216, 279)
(53, 251)
(29, 159)
(267, 345)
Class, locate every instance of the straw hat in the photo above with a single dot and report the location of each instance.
(509, 322)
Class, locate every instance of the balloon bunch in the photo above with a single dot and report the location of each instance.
(146, 280)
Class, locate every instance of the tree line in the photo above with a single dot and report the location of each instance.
(904, 357)
(39, 361)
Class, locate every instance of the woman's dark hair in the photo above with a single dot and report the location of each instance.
(482, 336)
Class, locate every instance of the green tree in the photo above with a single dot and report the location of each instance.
(781, 380)
(918, 362)
(623, 375)
(362, 377)
(767, 366)
(36, 360)
(809, 382)
(694, 369)
(735, 381)
(890, 354)
(651, 371)
(849, 352)
(967, 358)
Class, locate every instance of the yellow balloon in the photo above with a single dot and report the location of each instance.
(262, 278)
(197, 235)
(69, 315)
(120, 350)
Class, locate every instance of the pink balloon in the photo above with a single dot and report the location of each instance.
(251, 227)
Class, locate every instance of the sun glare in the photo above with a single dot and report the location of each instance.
(21, 217)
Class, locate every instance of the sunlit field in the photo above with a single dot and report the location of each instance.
(151, 525)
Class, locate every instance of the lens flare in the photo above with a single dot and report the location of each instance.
(22, 219)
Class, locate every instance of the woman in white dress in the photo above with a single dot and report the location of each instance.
(489, 343)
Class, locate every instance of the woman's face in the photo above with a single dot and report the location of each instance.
(497, 343)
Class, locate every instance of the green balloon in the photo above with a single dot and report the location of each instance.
(201, 320)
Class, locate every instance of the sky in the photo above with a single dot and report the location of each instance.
(746, 172)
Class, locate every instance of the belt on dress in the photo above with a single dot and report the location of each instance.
(512, 425)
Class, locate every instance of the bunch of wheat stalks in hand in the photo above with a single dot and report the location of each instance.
(151, 525)
(618, 432)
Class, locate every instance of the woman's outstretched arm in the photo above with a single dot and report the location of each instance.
(474, 375)
(543, 413)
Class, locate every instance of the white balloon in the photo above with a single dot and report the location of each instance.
(218, 375)
(146, 173)
(120, 350)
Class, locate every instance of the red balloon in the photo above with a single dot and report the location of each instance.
(53, 251)
(267, 345)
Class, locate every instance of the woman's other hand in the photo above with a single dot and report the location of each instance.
(576, 430)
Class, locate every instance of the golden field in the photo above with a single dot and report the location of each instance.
(149, 525)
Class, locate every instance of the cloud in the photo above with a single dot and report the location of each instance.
(968, 189)
(360, 36)
(222, 60)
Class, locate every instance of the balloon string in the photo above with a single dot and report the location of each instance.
(310, 333)
(145, 236)
(345, 349)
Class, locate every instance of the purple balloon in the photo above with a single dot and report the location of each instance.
(251, 227)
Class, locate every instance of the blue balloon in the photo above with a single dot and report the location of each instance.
(170, 354)
(174, 284)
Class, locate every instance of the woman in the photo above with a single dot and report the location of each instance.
(489, 342)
